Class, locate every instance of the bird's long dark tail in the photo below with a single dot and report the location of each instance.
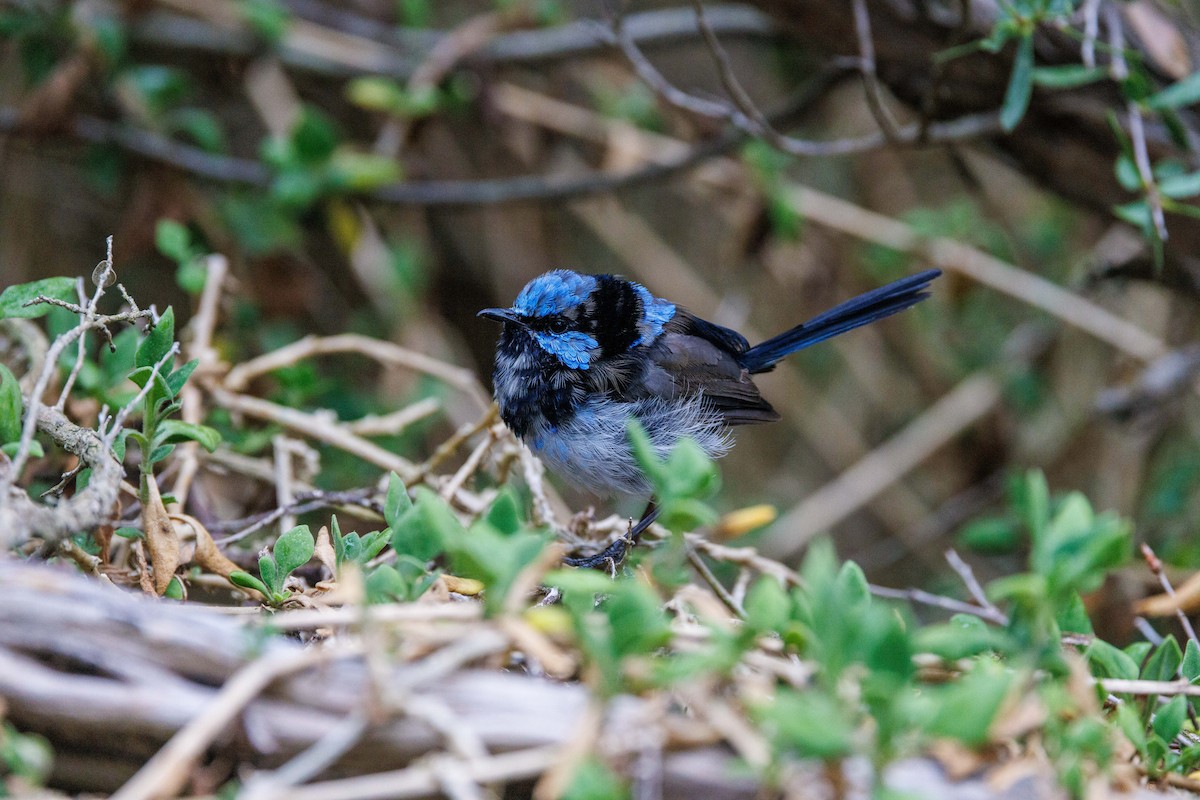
(866, 308)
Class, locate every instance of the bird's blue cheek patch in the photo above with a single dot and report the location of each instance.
(574, 348)
(656, 313)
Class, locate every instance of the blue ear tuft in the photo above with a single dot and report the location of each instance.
(656, 313)
(553, 293)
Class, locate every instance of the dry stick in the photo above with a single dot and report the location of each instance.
(315, 426)
(394, 422)
(309, 619)
(422, 780)
(938, 601)
(833, 212)
(971, 400)
(168, 770)
(707, 574)
(866, 51)
(381, 351)
(1156, 567)
(314, 760)
(1148, 688)
(971, 126)
(199, 347)
(470, 465)
(967, 575)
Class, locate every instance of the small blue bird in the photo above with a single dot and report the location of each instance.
(581, 355)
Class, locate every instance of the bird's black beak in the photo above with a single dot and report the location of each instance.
(500, 315)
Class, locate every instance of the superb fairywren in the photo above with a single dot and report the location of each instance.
(581, 355)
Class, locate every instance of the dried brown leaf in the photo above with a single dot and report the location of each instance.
(325, 551)
(162, 542)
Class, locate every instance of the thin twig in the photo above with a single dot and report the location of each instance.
(938, 601)
(707, 574)
(1156, 568)
(384, 352)
(967, 575)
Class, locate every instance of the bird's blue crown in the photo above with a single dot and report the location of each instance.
(579, 318)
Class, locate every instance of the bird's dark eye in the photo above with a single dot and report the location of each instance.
(558, 325)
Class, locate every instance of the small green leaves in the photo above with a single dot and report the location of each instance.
(964, 709)
(292, 550)
(1020, 85)
(158, 341)
(1068, 76)
(172, 431)
(681, 479)
(11, 407)
(1185, 92)
(15, 300)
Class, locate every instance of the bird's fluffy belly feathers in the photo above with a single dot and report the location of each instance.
(592, 450)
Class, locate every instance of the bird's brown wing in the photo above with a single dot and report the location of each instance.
(697, 358)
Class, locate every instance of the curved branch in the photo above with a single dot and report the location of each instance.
(22, 518)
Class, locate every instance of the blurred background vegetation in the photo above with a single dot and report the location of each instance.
(389, 167)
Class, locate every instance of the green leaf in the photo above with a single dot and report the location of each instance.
(160, 452)
(174, 589)
(173, 431)
(1165, 662)
(361, 172)
(964, 709)
(638, 621)
(1182, 93)
(178, 378)
(1127, 173)
(1020, 85)
(384, 584)
(313, 137)
(35, 449)
(810, 723)
(294, 549)
(768, 606)
(1068, 76)
(963, 636)
(1191, 662)
(424, 530)
(1072, 616)
(505, 513)
(1131, 725)
(644, 452)
(1034, 502)
(990, 535)
(11, 406)
(594, 780)
(14, 298)
(852, 586)
(1107, 661)
(397, 502)
(173, 240)
(339, 546)
(269, 571)
(1168, 719)
(127, 532)
(157, 342)
(1180, 186)
(247, 581)
(371, 544)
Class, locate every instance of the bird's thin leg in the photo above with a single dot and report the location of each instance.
(613, 555)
